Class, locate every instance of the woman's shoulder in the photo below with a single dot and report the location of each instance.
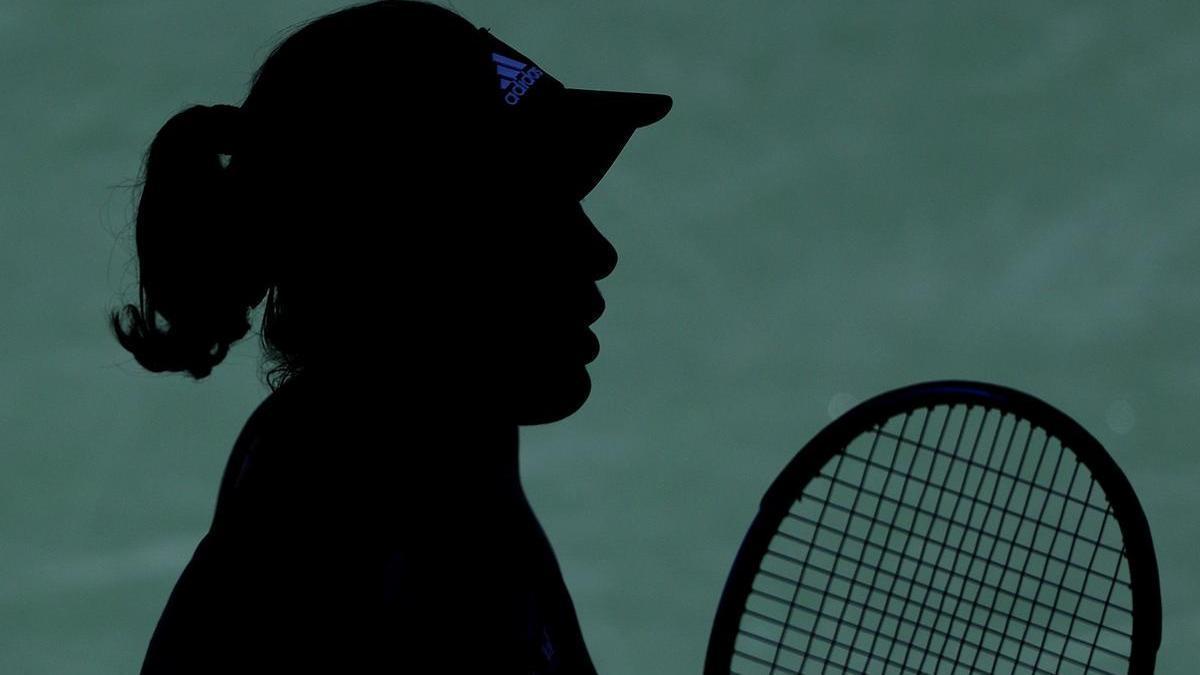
(292, 464)
(272, 443)
(252, 441)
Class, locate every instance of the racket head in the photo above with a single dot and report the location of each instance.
(870, 417)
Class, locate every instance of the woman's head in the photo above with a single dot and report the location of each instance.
(366, 194)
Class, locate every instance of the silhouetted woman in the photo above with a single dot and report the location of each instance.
(402, 190)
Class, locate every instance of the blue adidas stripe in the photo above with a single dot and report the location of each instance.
(511, 63)
(508, 72)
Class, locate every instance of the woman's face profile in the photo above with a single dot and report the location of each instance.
(539, 298)
(553, 306)
(495, 305)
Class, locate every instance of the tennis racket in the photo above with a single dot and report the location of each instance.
(945, 527)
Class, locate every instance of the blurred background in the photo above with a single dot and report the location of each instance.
(846, 198)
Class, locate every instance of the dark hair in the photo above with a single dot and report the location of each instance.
(325, 111)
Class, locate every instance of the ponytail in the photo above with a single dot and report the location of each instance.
(200, 252)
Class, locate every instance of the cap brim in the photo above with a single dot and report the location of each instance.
(593, 128)
(627, 108)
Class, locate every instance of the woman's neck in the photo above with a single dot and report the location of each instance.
(430, 445)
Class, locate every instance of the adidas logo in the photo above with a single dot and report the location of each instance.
(515, 77)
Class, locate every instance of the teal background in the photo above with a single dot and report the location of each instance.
(846, 198)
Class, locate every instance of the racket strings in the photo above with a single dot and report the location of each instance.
(865, 652)
(902, 580)
(907, 478)
(1104, 510)
(981, 532)
(951, 574)
(1039, 521)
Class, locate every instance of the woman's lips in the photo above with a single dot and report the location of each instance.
(592, 345)
(595, 309)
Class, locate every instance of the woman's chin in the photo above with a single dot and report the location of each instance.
(552, 399)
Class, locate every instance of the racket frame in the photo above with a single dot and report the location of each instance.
(873, 414)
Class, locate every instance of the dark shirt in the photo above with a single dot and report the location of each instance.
(324, 555)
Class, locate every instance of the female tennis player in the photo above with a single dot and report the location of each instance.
(402, 190)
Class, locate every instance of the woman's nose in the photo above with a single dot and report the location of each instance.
(602, 256)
